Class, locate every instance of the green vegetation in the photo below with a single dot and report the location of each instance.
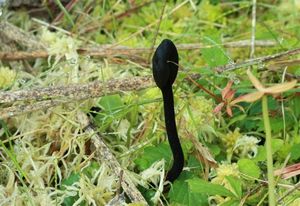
(237, 117)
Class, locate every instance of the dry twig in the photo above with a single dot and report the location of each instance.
(12, 33)
(259, 60)
(108, 51)
(70, 93)
(103, 152)
(78, 92)
(25, 108)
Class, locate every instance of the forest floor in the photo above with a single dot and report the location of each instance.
(82, 121)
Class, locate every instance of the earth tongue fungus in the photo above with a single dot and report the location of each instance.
(165, 68)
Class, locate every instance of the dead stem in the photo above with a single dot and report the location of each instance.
(107, 51)
(259, 60)
(104, 154)
(69, 94)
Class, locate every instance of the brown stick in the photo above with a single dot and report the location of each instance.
(25, 108)
(259, 60)
(78, 92)
(108, 51)
(205, 90)
(20, 55)
(13, 33)
(69, 93)
(106, 156)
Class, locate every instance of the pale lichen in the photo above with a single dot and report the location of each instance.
(246, 146)
(7, 77)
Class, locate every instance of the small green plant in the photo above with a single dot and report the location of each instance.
(262, 92)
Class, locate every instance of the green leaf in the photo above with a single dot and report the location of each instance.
(214, 2)
(152, 154)
(180, 193)
(276, 124)
(255, 109)
(295, 70)
(277, 144)
(231, 203)
(205, 71)
(201, 186)
(70, 200)
(111, 102)
(236, 185)
(74, 177)
(236, 119)
(261, 154)
(214, 149)
(112, 109)
(194, 164)
(210, 12)
(214, 55)
(295, 152)
(249, 168)
(91, 169)
(148, 194)
(295, 105)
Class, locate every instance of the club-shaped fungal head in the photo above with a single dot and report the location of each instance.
(165, 64)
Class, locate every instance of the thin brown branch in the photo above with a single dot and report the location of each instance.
(106, 156)
(25, 108)
(22, 55)
(69, 94)
(12, 33)
(218, 99)
(283, 63)
(77, 92)
(259, 60)
(108, 51)
(231, 44)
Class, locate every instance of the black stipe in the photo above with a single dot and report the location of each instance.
(165, 68)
